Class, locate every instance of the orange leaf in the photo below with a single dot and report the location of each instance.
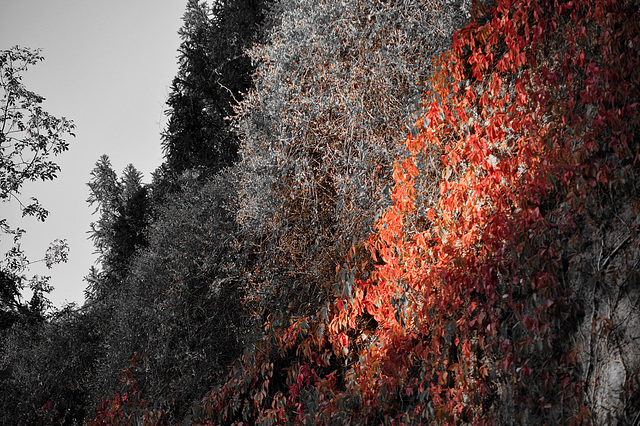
(344, 340)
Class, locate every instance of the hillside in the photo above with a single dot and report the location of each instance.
(404, 212)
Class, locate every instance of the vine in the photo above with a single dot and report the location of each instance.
(125, 406)
(456, 308)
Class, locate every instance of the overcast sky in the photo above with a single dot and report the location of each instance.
(108, 67)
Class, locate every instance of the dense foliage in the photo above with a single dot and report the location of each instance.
(336, 84)
(29, 139)
(470, 281)
(404, 212)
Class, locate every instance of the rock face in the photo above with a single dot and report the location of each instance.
(607, 281)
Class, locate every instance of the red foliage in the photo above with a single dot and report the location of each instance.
(464, 307)
(125, 407)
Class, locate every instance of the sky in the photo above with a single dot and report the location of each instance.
(108, 67)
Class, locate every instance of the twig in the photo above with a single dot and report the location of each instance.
(614, 252)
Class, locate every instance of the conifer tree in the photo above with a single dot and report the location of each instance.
(119, 232)
(214, 72)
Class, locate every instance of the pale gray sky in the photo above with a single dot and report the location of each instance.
(108, 67)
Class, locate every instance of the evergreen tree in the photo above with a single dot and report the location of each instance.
(214, 72)
(120, 231)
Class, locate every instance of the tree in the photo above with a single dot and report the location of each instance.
(179, 303)
(29, 138)
(120, 231)
(188, 288)
(214, 72)
(50, 368)
(29, 135)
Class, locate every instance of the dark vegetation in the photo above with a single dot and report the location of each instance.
(402, 212)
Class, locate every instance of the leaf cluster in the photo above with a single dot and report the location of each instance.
(29, 135)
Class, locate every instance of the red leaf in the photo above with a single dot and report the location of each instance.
(528, 322)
